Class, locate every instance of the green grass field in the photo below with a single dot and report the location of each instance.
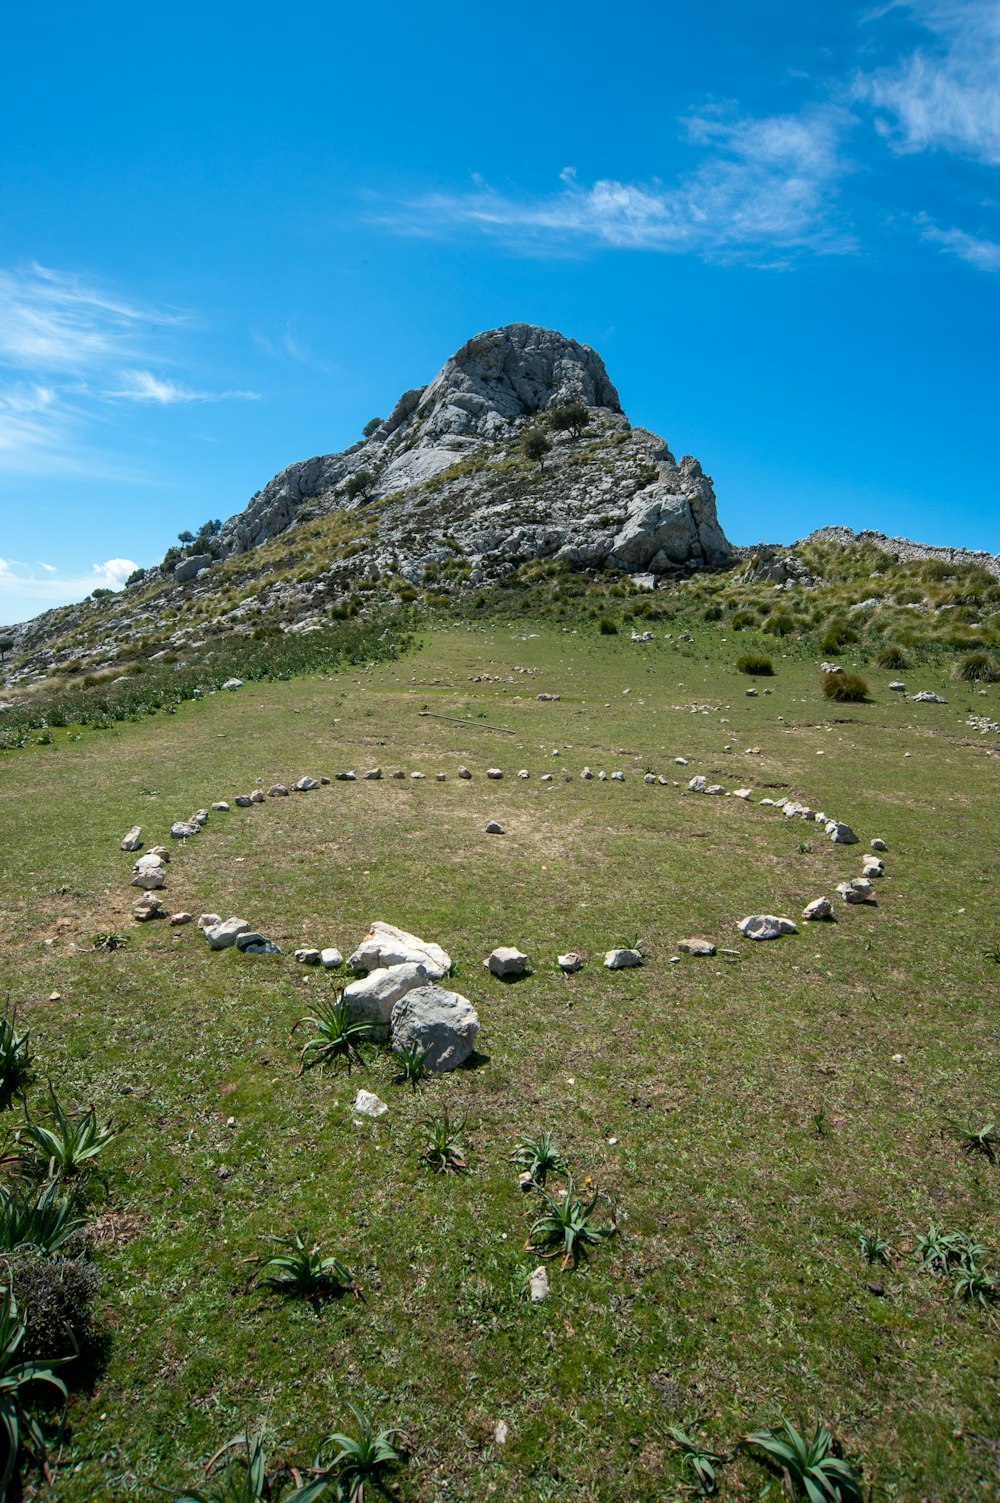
(743, 1115)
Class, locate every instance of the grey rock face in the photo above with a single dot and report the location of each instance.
(441, 1022)
(190, 568)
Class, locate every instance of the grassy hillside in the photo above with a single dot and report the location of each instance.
(747, 1116)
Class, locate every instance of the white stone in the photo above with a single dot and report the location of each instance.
(372, 997)
(233, 683)
(257, 797)
(617, 777)
(150, 877)
(494, 827)
(765, 926)
(586, 774)
(620, 960)
(277, 790)
(649, 777)
(570, 962)
(681, 761)
(698, 784)
(464, 773)
(183, 829)
(857, 890)
(208, 920)
(373, 775)
(524, 773)
(840, 834)
(331, 958)
(879, 844)
(305, 785)
(441, 1022)
(223, 934)
(507, 960)
(149, 907)
(177, 919)
(538, 1284)
(307, 955)
(697, 945)
(221, 807)
(819, 908)
(385, 945)
(743, 793)
(367, 1104)
(873, 867)
(495, 773)
(133, 840)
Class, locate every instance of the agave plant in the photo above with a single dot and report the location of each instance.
(697, 1460)
(38, 1219)
(811, 1468)
(444, 1148)
(15, 1060)
(412, 1064)
(540, 1157)
(336, 1040)
(875, 1248)
(244, 1478)
(359, 1459)
(978, 1139)
(565, 1224)
(301, 1271)
(16, 1422)
(71, 1142)
(975, 1286)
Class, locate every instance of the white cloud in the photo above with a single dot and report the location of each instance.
(143, 386)
(977, 250)
(763, 185)
(946, 93)
(51, 321)
(24, 591)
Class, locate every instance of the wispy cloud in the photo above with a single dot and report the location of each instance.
(143, 386)
(945, 93)
(22, 582)
(977, 250)
(52, 321)
(763, 185)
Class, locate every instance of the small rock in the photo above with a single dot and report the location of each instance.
(858, 890)
(872, 868)
(200, 818)
(330, 958)
(209, 920)
(177, 919)
(133, 840)
(464, 772)
(417, 776)
(398, 773)
(384, 945)
(524, 773)
(500, 1432)
(507, 961)
(305, 785)
(346, 777)
(277, 790)
(526, 1180)
(681, 761)
(252, 943)
(897, 686)
(243, 800)
(603, 777)
(221, 807)
(224, 934)
(751, 693)
(182, 829)
(442, 777)
(698, 784)
(879, 844)
(367, 1104)
(494, 773)
(371, 998)
(650, 777)
(538, 1284)
(442, 1022)
(819, 908)
(840, 834)
(743, 793)
(620, 960)
(233, 683)
(373, 775)
(150, 877)
(307, 956)
(257, 797)
(926, 697)
(765, 926)
(586, 774)
(698, 945)
(55, 996)
(158, 850)
(149, 907)
(617, 777)
(494, 827)
(570, 962)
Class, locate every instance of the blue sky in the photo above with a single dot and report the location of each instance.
(230, 235)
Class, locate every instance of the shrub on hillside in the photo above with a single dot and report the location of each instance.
(892, 656)
(56, 1297)
(607, 627)
(754, 662)
(845, 688)
(779, 624)
(836, 636)
(978, 668)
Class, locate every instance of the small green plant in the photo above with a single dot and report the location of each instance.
(845, 688)
(757, 663)
(606, 627)
(978, 668)
(874, 1247)
(893, 657)
(15, 1061)
(566, 1224)
(15, 1376)
(244, 1478)
(36, 1218)
(696, 1460)
(811, 1468)
(302, 1272)
(941, 1251)
(336, 1040)
(359, 1459)
(975, 1286)
(978, 1139)
(444, 1148)
(73, 1140)
(992, 952)
(412, 1065)
(109, 941)
(540, 1157)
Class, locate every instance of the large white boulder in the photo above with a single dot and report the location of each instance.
(224, 934)
(371, 998)
(765, 926)
(385, 945)
(443, 1023)
(133, 840)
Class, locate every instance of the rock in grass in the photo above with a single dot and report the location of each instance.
(252, 943)
(571, 962)
(878, 844)
(698, 784)
(373, 775)
(765, 926)
(220, 806)
(697, 945)
(649, 777)
(819, 908)
(233, 683)
(330, 958)
(840, 834)
(225, 933)
(305, 785)
(133, 840)
(183, 829)
(464, 773)
(200, 817)
(507, 962)
(277, 790)
(494, 827)
(538, 1284)
(149, 861)
(158, 850)
(149, 907)
(177, 919)
(621, 960)
(306, 955)
(257, 797)
(927, 697)
(372, 998)
(495, 773)
(872, 867)
(367, 1104)
(243, 800)
(443, 1023)
(858, 890)
(150, 877)
(385, 945)
(587, 774)
(209, 920)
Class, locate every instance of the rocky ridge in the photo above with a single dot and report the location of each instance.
(902, 548)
